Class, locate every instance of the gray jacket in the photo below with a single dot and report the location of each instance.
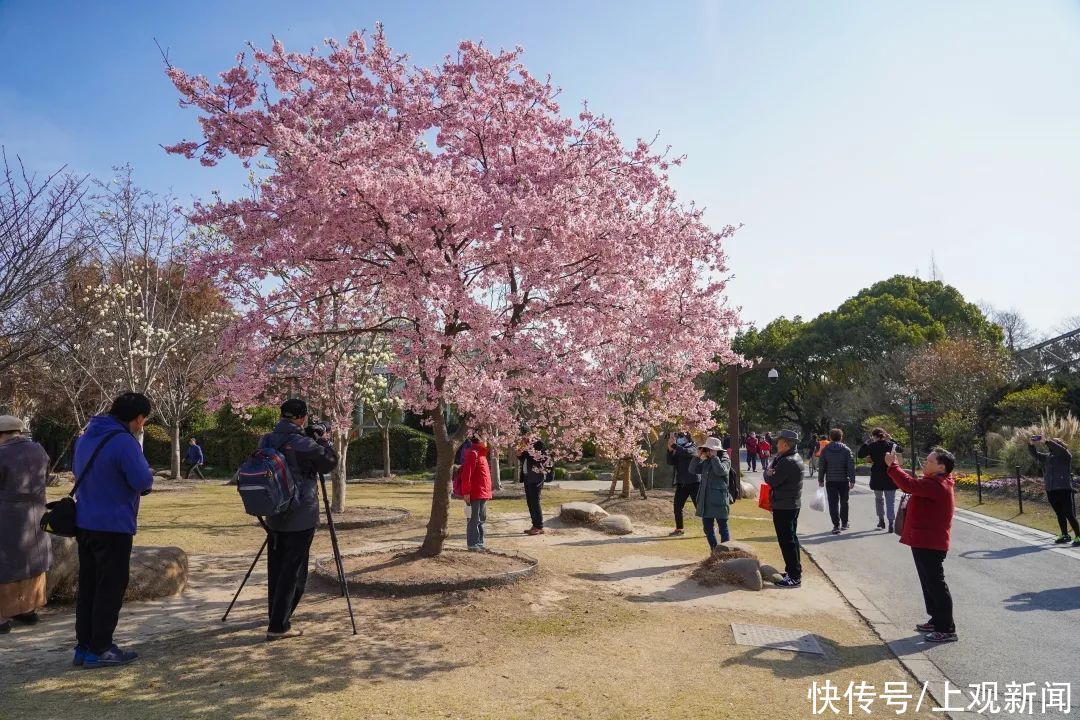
(785, 479)
(24, 466)
(1057, 466)
(836, 464)
(307, 458)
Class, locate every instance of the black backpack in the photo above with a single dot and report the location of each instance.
(733, 485)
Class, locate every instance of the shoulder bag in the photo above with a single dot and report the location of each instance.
(59, 517)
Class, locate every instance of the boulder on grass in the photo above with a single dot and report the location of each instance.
(736, 547)
(741, 571)
(156, 572)
(749, 490)
(61, 577)
(616, 525)
(581, 512)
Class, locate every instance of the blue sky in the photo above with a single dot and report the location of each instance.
(853, 139)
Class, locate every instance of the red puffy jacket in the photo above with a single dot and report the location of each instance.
(751, 445)
(475, 475)
(928, 523)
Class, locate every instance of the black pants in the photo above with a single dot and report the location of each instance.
(930, 564)
(786, 523)
(197, 469)
(751, 461)
(682, 492)
(532, 498)
(287, 574)
(1061, 501)
(104, 563)
(838, 502)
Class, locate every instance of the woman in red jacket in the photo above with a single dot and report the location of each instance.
(476, 489)
(927, 526)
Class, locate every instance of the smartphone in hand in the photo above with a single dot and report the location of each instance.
(1036, 438)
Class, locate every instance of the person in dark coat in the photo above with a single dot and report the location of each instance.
(680, 455)
(927, 529)
(25, 555)
(1057, 478)
(535, 466)
(785, 479)
(195, 458)
(112, 475)
(713, 502)
(291, 533)
(875, 448)
(836, 473)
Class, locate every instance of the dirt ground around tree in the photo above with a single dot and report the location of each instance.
(607, 627)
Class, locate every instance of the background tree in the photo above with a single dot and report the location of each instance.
(504, 250)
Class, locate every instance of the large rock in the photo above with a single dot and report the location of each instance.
(61, 577)
(156, 572)
(616, 525)
(749, 490)
(770, 574)
(743, 571)
(581, 512)
(605, 476)
(733, 546)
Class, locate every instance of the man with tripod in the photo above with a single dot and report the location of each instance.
(308, 453)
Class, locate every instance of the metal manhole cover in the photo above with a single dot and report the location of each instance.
(776, 638)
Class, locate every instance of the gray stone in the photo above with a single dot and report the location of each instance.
(61, 577)
(605, 476)
(745, 570)
(375, 473)
(581, 512)
(749, 490)
(733, 545)
(616, 525)
(770, 574)
(163, 474)
(156, 572)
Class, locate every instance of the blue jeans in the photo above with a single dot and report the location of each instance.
(707, 523)
(474, 531)
(885, 501)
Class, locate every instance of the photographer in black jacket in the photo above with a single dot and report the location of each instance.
(681, 451)
(308, 454)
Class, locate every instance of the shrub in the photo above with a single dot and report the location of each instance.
(588, 449)
(587, 474)
(957, 432)
(157, 446)
(890, 424)
(506, 473)
(417, 448)
(1028, 406)
(227, 449)
(1012, 446)
(406, 450)
(560, 473)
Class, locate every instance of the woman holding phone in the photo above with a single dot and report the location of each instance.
(880, 444)
(1057, 477)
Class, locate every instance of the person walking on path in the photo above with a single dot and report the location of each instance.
(476, 490)
(927, 527)
(681, 453)
(195, 459)
(713, 497)
(751, 445)
(24, 467)
(1057, 477)
(111, 475)
(884, 488)
(764, 450)
(534, 471)
(836, 473)
(291, 533)
(785, 479)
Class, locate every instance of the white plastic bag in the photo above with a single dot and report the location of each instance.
(818, 503)
(468, 511)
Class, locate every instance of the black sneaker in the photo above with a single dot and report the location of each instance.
(5, 628)
(845, 526)
(788, 582)
(835, 530)
(881, 523)
(890, 526)
(941, 637)
(925, 627)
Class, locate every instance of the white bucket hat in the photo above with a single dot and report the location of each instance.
(713, 443)
(10, 423)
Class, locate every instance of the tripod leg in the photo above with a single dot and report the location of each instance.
(337, 552)
(244, 581)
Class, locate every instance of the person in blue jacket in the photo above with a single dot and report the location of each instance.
(111, 475)
(195, 459)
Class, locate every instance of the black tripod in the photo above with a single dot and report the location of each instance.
(333, 544)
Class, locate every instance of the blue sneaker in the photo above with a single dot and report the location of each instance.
(112, 657)
(80, 656)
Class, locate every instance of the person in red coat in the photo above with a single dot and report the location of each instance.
(751, 445)
(476, 490)
(926, 530)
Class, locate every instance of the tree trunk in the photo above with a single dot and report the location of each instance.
(495, 468)
(340, 475)
(386, 450)
(440, 497)
(623, 468)
(175, 455)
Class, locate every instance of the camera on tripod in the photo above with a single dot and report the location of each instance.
(317, 430)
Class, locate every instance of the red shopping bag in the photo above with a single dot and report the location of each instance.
(764, 498)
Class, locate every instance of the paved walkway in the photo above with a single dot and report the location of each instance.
(1016, 595)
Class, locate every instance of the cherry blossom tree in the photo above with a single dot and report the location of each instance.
(521, 264)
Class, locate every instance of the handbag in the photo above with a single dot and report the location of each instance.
(59, 517)
(901, 514)
(818, 503)
(764, 500)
